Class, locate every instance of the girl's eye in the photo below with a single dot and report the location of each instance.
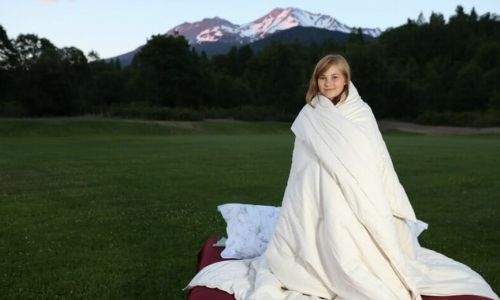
(332, 77)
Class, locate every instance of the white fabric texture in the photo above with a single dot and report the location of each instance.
(347, 229)
(249, 228)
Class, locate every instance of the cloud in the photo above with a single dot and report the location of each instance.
(48, 2)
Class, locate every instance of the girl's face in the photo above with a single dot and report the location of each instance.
(332, 82)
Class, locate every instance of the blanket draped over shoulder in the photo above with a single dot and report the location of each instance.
(347, 229)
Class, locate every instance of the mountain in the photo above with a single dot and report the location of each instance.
(126, 58)
(220, 30)
(217, 36)
(303, 36)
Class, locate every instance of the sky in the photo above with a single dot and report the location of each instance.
(113, 27)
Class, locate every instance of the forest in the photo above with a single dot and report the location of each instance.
(428, 70)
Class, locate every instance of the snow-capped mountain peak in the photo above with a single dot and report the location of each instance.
(206, 30)
(217, 29)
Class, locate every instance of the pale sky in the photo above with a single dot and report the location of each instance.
(113, 27)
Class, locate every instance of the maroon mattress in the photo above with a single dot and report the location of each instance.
(209, 254)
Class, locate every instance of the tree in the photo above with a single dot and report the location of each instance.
(460, 15)
(234, 62)
(245, 53)
(31, 49)
(73, 56)
(8, 54)
(436, 19)
(278, 76)
(421, 19)
(356, 36)
(473, 15)
(168, 72)
(365, 61)
(93, 56)
(468, 92)
(105, 86)
(8, 62)
(48, 79)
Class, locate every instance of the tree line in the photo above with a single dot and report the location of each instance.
(431, 71)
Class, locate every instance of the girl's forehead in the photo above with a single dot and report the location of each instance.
(332, 69)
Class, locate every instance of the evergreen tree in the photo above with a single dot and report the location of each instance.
(436, 19)
(167, 71)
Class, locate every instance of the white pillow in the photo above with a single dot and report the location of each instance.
(249, 228)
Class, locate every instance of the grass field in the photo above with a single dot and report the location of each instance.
(99, 209)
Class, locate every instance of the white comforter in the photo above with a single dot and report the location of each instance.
(347, 229)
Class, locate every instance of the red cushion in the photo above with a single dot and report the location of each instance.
(209, 254)
(458, 297)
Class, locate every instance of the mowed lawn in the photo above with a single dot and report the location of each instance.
(99, 209)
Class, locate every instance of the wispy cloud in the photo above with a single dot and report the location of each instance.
(48, 2)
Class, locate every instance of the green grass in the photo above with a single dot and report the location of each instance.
(95, 208)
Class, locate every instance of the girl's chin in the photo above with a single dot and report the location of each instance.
(330, 96)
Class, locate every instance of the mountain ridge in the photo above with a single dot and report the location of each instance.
(216, 35)
(278, 19)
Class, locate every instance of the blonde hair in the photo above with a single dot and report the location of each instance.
(321, 67)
